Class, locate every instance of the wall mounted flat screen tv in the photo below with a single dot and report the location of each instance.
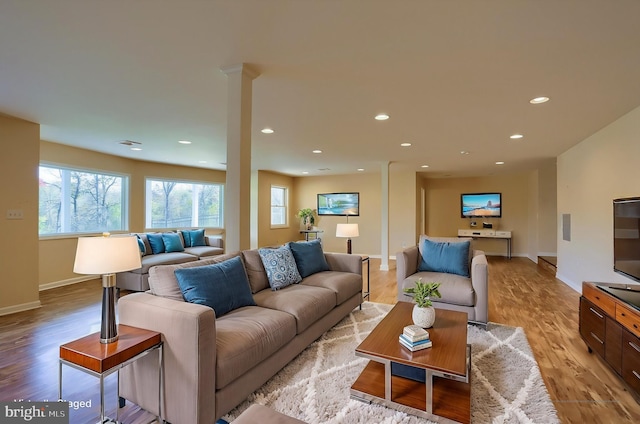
(339, 204)
(485, 205)
(626, 237)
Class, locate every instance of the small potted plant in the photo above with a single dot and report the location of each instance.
(423, 313)
(306, 215)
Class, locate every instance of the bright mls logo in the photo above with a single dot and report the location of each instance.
(34, 412)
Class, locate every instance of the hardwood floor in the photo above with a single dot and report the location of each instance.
(582, 387)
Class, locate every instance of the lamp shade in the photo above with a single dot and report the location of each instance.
(347, 230)
(106, 255)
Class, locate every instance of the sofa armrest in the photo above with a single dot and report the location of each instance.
(189, 336)
(215, 241)
(406, 263)
(480, 281)
(344, 262)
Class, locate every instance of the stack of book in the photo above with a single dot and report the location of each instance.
(414, 338)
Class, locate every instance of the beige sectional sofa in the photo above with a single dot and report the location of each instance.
(468, 294)
(137, 279)
(211, 364)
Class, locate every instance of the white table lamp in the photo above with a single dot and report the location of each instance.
(348, 231)
(107, 255)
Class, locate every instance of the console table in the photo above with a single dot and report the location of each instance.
(489, 234)
(309, 232)
(610, 326)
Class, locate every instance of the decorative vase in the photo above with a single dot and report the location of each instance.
(307, 223)
(424, 317)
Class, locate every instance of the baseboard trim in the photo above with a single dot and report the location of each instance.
(68, 282)
(19, 308)
(576, 286)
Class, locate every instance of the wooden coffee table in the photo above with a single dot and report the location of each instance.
(436, 382)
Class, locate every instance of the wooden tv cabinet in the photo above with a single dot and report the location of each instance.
(610, 326)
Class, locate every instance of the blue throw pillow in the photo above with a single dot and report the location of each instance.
(449, 257)
(196, 238)
(186, 235)
(157, 245)
(280, 266)
(141, 246)
(172, 242)
(222, 287)
(309, 257)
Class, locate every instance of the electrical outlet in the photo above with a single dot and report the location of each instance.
(15, 214)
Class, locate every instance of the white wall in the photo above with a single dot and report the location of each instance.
(603, 167)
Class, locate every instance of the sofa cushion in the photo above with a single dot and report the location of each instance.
(306, 303)
(344, 284)
(145, 240)
(448, 257)
(454, 289)
(280, 266)
(309, 257)
(157, 245)
(202, 251)
(172, 242)
(149, 261)
(193, 237)
(163, 281)
(246, 337)
(223, 287)
(255, 270)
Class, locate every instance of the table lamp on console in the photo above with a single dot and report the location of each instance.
(107, 255)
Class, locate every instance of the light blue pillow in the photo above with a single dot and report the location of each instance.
(444, 256)
(196, 238)
(141, 246)
(172, 242)
(280, 266)
(309, 257)
(222, 287)
(156, 243)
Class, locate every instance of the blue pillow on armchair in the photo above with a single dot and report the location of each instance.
(223, 287)
(444, 256)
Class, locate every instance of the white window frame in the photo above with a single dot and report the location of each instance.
(194, 211)
(65, 206)
(284, 207)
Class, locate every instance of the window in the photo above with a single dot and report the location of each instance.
(81, 201)
(181, 204)
(278, 206)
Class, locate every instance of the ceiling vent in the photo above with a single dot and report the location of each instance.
(129, 143)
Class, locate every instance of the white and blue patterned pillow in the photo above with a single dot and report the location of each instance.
(280, 266)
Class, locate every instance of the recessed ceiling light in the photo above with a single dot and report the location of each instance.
(317, 151)
(499, 163)
(515, 136)
(424, 166)
(538, 100)
(360, 169)
(137, 149)
(202, 161)
(184, 142)
(405, 144)
(267, 131)
(305, 172)
(464, 152)
(382, 117)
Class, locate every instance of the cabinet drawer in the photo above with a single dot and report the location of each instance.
(631, 360)
(628, 318)
(613, 344)
(592, 326)
(600, 299)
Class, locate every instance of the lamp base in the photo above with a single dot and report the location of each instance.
(108, 327)
(349, 246)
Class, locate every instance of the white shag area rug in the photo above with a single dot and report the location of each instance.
(506, 386)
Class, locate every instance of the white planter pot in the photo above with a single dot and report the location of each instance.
(424, 317)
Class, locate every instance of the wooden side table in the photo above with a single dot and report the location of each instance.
(87, 354)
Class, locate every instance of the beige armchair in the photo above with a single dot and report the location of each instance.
(459, 293)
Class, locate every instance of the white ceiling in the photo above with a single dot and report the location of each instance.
(453, 75)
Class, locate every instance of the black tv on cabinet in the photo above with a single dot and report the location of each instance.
(481, 205)
(626, 237)
(339, 204)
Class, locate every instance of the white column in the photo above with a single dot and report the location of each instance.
(237, 191)
(384, 217)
